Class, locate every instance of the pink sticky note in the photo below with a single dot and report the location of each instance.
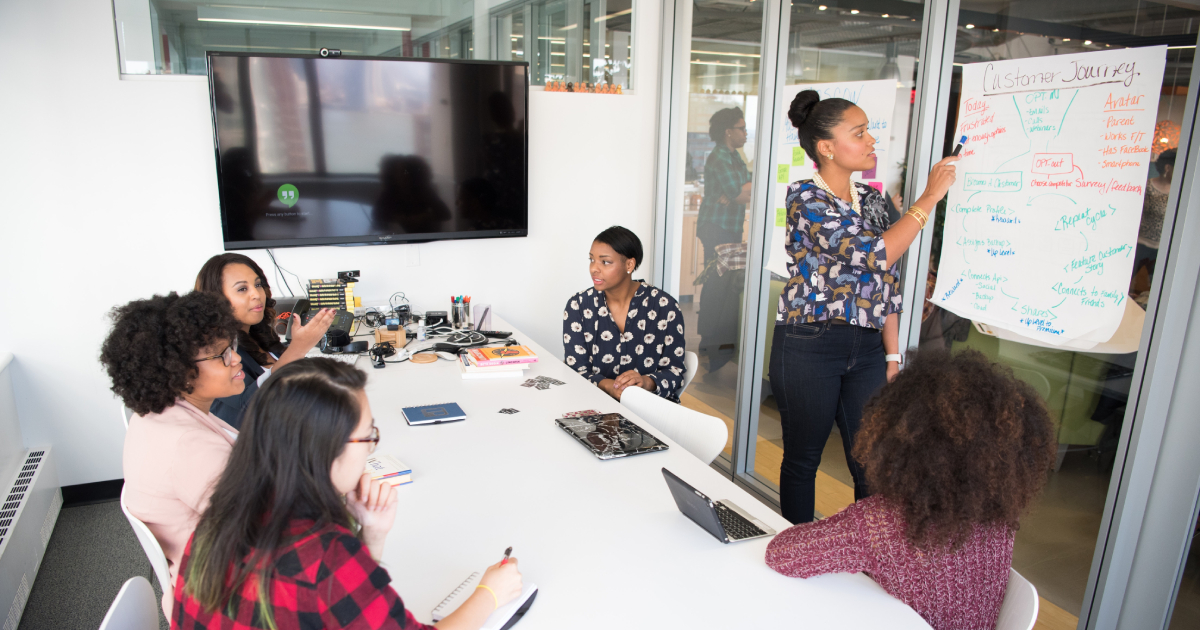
(869, 174)
(876, 185)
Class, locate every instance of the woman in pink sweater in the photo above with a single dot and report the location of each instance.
(955, 449)
(169, 357)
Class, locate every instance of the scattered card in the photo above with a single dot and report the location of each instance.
(510, 410)
(542, 382)
(580, 414)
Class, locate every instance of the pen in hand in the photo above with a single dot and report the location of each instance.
(507, 553)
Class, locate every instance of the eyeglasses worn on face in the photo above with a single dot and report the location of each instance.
(373, 440)
(226, 357)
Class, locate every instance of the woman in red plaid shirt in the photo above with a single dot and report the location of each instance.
(295, 514)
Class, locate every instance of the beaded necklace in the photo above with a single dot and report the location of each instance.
(854, 202)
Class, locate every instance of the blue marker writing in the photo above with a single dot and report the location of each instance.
(961, 141)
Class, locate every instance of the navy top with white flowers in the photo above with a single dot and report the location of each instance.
(652, 343)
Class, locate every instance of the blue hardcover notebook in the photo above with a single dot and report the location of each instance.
(433, 414)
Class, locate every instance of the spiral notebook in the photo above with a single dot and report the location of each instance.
(502, 619)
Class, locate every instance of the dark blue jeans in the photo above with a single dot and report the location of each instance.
(821, 374)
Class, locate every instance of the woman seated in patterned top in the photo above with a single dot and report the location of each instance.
(294, 513)
(621, 332)
(955, 448)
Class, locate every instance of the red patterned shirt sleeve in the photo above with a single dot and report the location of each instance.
(838, 544)
(353, 591)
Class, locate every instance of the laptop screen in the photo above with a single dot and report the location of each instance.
(694, 505)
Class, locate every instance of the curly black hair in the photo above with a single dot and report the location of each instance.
(953, 442)
(150, 352)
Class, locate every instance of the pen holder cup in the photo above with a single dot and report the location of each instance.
(462, 317)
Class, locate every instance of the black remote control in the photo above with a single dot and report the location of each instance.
(495, 334)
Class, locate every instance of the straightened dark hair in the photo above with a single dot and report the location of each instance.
(261, 338)
(723, 121)
(1165, 159)
(624, 242)
(296, 425)
(814, 119)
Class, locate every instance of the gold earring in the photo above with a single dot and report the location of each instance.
(830, 156)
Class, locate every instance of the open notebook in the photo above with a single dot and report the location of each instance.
(502, 619)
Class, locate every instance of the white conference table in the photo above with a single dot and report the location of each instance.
(603, 540)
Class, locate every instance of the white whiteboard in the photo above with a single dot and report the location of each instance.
(877, 99)
(1042, 221)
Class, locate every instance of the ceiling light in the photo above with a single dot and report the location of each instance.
(970, 26)
(853, 11)
(1163, 140)
(613, 15)
(301, 18)
(884, 15)
(1067, 39)
(1087, 42)
(995, 30)
(822, 8)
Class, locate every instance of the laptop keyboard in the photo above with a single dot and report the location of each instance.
(736, 526)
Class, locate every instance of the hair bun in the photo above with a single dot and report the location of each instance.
(802, 106)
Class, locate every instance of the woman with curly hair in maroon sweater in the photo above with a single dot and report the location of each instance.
(955, 449)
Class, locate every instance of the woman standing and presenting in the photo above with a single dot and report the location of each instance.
(837, 324)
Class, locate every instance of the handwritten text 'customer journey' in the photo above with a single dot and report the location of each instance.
(1042, 220)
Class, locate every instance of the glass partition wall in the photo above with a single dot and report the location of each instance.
(723, 51)
(873, 51)
(1086, 392)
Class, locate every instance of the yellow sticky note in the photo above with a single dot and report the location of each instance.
(785, 173)
(797, 156)
(780, 217)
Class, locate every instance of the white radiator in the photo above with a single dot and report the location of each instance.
(27, 518)
(29, 503)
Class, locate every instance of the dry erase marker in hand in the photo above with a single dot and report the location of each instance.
(961, 141)
(507, 553)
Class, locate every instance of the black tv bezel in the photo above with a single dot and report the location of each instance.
(378, 239)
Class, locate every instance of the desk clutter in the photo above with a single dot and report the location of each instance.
(387, 467)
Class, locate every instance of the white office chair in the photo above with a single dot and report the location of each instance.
(134, 608)
(690, 363)
(126, 414)
(702, 435)
(1019, 610)
(154, 552)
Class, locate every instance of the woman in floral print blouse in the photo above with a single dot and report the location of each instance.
(837, 324)
(645, 349)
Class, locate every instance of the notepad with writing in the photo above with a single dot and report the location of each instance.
(502, 619)
(433, 414)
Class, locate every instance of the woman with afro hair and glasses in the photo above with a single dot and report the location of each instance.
(169, 357)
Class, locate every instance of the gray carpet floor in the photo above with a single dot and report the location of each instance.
(92, 552)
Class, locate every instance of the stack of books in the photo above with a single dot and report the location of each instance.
(324, 293)
(496, 362)
(390, 468)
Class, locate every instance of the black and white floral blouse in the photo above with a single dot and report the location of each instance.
(652, 343)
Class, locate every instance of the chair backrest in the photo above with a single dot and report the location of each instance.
(702, 435)
(1019, 610)
(134, 608)
(158, 559)
(690, 362)
(126, 414)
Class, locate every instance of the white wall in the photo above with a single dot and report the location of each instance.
(108, 193)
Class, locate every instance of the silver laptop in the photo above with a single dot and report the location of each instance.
(724, 520)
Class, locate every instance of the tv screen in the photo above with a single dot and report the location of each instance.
(352, 150)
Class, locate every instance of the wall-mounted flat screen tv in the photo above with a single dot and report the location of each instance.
(368, 150)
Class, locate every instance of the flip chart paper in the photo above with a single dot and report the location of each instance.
(878, 100)
(1042, 220)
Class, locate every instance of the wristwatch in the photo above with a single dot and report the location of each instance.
(898, 358)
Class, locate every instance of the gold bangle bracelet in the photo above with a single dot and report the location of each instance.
(917, 218)
(918, 214)
(920, 210)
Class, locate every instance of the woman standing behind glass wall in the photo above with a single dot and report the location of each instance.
(837, 336)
